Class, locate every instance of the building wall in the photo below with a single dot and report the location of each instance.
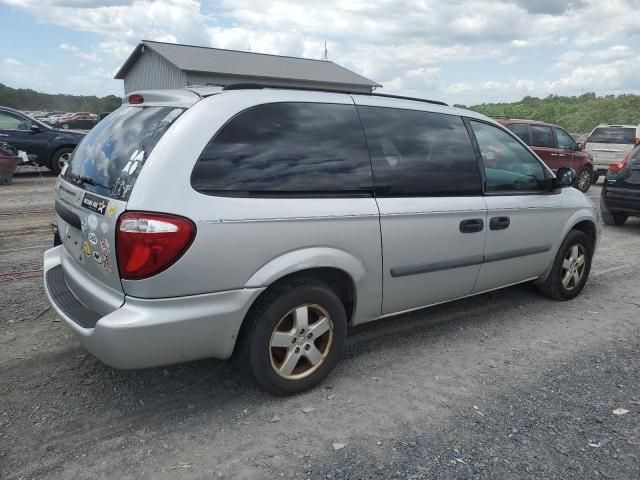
(200, 78)
(153, 72)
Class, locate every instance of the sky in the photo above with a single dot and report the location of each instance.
(459, 51)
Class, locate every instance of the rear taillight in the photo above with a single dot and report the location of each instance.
(584, 144)
(136, 99)
(616, 167)
(148, 243)
(637, 141)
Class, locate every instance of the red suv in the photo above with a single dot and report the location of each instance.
(556, 147)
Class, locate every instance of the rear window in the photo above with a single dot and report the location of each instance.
(111, 156)
(287, 148)
(621, 135)
(521, 130)
(542, 136)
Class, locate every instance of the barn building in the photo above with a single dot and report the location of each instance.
(157, 65)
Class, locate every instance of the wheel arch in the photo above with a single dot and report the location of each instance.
(583, 221)
(336, 268)
(55, 151)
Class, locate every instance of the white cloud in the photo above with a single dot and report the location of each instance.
(408, 46)
(15, 72)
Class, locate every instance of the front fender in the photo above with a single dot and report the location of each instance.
(583, 214)
(304, 259)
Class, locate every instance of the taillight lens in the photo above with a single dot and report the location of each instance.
(616, 167)
(148, 243)
(136, 99)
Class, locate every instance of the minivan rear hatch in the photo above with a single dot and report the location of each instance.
(94, 189)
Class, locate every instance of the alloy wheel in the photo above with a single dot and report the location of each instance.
(584, 180)
(301, 341)
(63, 160)
(573, 266)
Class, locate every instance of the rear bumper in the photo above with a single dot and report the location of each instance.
(151, 332)
(621, 204)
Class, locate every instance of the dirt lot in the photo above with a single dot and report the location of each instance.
(501, 386)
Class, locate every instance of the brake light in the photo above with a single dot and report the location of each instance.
(637, 142)
(616, 167)
(136, 99)
(584, 144)
(149, 243)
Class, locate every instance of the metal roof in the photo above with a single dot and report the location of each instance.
(234, 62)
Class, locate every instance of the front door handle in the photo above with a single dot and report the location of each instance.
(499, 223)
(472, 225)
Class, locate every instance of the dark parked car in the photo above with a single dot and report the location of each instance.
(80, 121)
(621, 190)
(556, 147)
(52, 147)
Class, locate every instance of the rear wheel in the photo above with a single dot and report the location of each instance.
(294, 337)
(584, 179)
(570, 269)
(60, 159)
(615, 219)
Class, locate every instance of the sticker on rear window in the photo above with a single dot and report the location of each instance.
(93, 203)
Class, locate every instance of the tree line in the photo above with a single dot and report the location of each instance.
(27, 99)
(578, 114)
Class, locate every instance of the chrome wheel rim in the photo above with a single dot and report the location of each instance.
(573, 267)
(584, 179)
(63, 160)
(301, 341)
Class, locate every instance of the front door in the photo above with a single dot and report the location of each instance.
(432, 214)
(523, 216)
(566, 150)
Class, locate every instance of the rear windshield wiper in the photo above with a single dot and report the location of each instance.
(88, 181)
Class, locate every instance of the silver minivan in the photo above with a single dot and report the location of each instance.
(263, 222)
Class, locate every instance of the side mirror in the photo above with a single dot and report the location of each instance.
(564, 177)
(579, 146)
(35, 128)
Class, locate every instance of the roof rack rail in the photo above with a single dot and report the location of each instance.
(251, 86)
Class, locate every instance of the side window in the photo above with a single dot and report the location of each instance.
(521, 130)
(508, 165)
(564, 140)
(418, 153)
(542, 136)
(279, 148)
(11, 122)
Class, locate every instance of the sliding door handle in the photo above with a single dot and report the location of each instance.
(472, 225)
(499, 223)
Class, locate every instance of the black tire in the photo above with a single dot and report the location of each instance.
(614, 219)
(584, 179)
(596, 176)
(56, 161)
(553, 286)
(254, 351)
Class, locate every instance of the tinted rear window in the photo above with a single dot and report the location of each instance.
(280, 148)
(542, 136)
(111, 156)
(418, 153)
(622, 135)
(521, 130)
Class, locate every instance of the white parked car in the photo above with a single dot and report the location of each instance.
(609, 144)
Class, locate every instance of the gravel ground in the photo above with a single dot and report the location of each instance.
(500, 386)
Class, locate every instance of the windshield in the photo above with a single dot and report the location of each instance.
(622, 135)
(111, 156)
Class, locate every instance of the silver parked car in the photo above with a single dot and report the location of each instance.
(262, 222)
(609, 144)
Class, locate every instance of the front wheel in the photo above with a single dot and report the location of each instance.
(584, 179)
(570, 269)
(294, 337)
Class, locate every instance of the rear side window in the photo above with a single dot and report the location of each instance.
(418, 153)
(111, 156)
(287, 148)
(542, 136)
(620, 135)
(521, 131)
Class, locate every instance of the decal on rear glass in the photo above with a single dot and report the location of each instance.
(97, 257)
(86, 248)
(93, 203)
(104, 226)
